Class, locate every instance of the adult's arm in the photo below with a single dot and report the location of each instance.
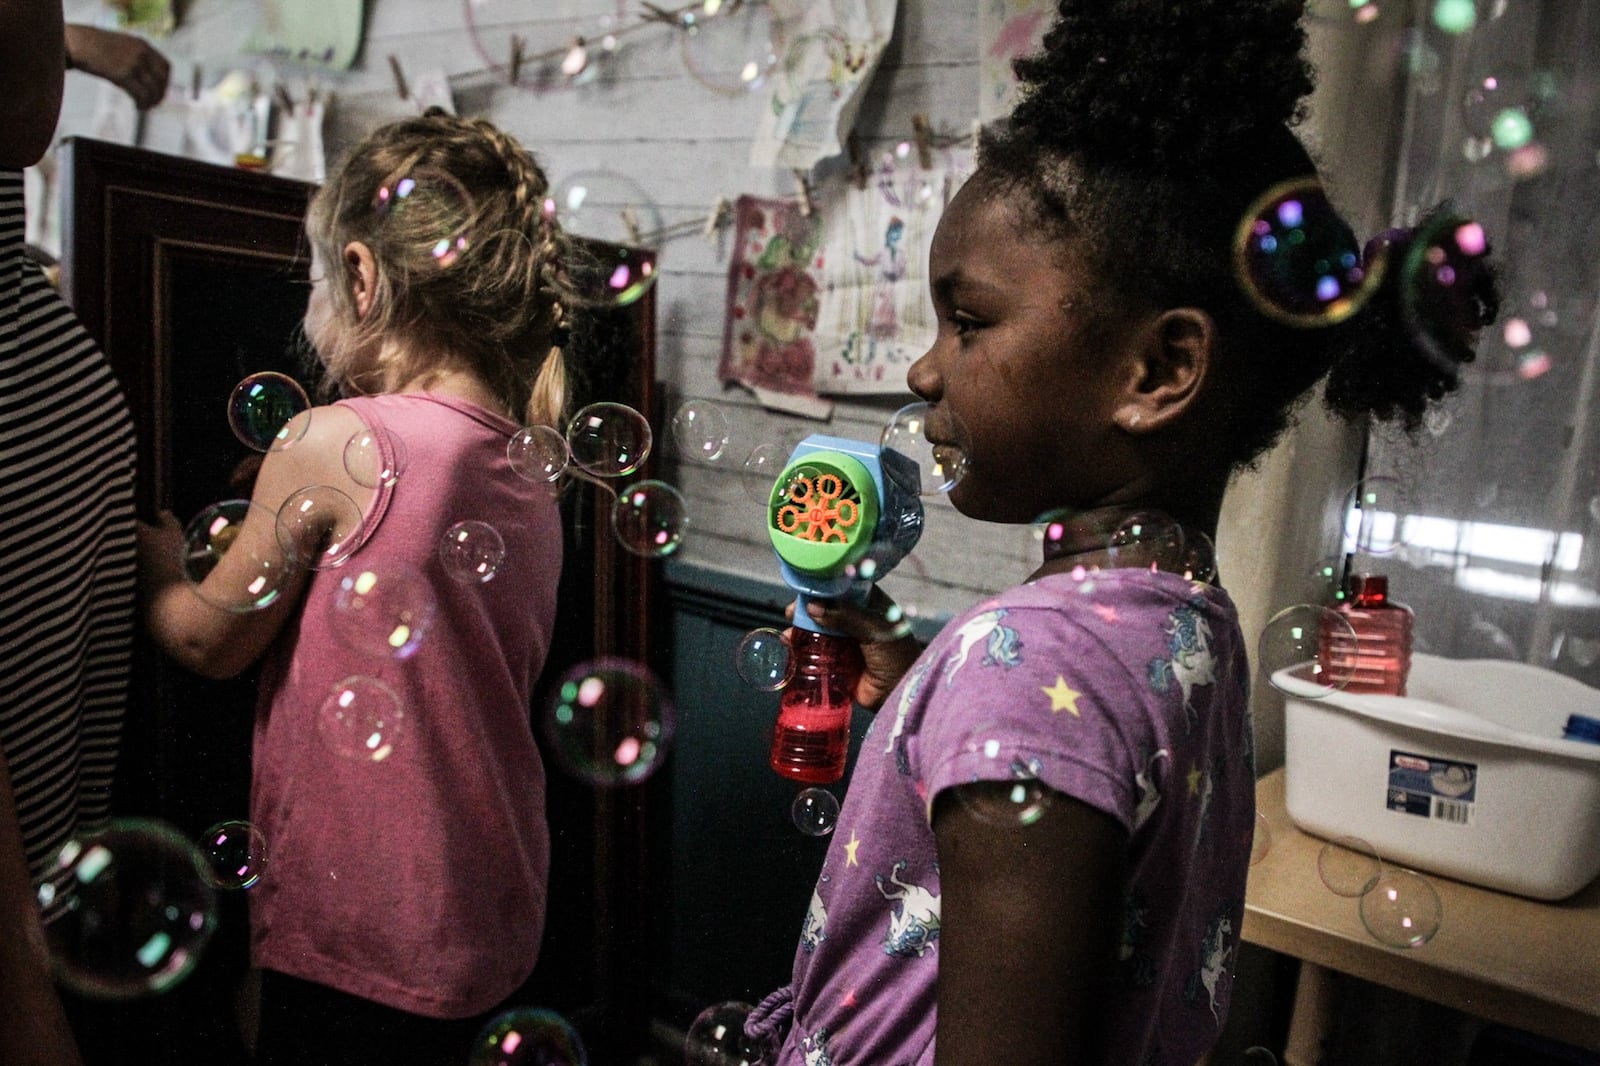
(33, 1027)
(32, 66)
(1029, 920)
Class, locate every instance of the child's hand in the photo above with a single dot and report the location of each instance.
(884, 634)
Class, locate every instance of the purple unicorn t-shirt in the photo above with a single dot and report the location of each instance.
(1126, 689)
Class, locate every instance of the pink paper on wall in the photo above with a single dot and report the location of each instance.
(773, 293)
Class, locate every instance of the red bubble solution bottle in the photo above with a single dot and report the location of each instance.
(812, 737)
(1374, 654)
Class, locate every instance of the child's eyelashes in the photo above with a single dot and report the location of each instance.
(964, 324)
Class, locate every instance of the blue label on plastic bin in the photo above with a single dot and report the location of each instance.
(1431, 787)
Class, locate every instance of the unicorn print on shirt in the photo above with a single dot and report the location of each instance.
(1189, 661)
(914, 922)
(1149, 791)
(1215, 951)
(815, 1049)
(1000, 644)
(909, 692)
(815, 921)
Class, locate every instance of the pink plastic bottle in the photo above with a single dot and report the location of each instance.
(812, 738)
(1379, 657)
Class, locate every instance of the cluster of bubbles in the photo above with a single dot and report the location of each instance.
(704, 436)
(1399, 907)
(729, 47)
(1147, 540)
(528, 1036)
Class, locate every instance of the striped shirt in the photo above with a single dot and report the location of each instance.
(66, 553)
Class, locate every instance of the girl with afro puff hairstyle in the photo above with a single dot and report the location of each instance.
(1043, 852)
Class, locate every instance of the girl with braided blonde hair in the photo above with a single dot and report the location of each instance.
(403, 901)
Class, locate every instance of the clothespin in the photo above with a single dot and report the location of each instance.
(720, 215)
(399, 78)
(285, 101)
(803, 179)
(630, 221)
(196, 82)
(924, 139)
(516, 56)
(858, 162)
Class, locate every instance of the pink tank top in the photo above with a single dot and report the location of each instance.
(417, 880)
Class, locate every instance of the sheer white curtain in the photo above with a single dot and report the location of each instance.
(1495, 536)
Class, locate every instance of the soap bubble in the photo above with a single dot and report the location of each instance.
(615, 211)
(319, 527)
(733, 51)
(716, 1038)
(1375, 512)
(815, 811)
(374, 459)
(761, 468)
(701, 429)
(262, 410)
(939, 466)
(1292, 640)
(763, 660)
(1298, 261)
(1258, 1056)
(608, 439)
(209, 536)
(538, 454)
(1443, 271)
(384, 613)
(136, 909)
(650, 518)
(1455, 16)
(1402, 909)
(361, 719)
(1151, 541)
(471, 552)
(1349, 866)
(1260, 839)
(609, 723)
(1325, 581)
(528, 1036)
(1199, 559)
(426, 212)
(235, 854)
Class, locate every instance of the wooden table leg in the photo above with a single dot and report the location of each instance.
(1312, 1016)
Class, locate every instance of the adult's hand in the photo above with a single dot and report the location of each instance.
(124, 59)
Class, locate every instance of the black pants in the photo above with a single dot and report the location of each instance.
(307, 1024)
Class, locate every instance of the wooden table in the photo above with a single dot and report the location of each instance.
(1532, 965)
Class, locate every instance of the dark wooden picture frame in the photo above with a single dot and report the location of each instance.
(186, 273)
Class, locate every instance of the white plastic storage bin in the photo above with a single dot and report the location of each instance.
(1467, 775)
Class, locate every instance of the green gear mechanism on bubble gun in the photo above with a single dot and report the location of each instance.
(841, 514)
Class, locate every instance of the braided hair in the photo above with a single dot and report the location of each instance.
(1146, 131)
(471, 263)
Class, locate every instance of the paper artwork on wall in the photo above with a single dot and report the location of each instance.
(154, 17)
(874, 316)
(319, 32)
(833, 50)
(1007, 29)
(773, 290)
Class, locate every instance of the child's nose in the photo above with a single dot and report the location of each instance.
(923, 379)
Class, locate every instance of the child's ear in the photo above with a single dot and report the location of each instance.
(362, 270)
(1169, 364)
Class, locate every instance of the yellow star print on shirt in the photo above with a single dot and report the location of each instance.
(1062, 698)
(850, 849)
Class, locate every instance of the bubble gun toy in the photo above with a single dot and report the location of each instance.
(841, 514)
